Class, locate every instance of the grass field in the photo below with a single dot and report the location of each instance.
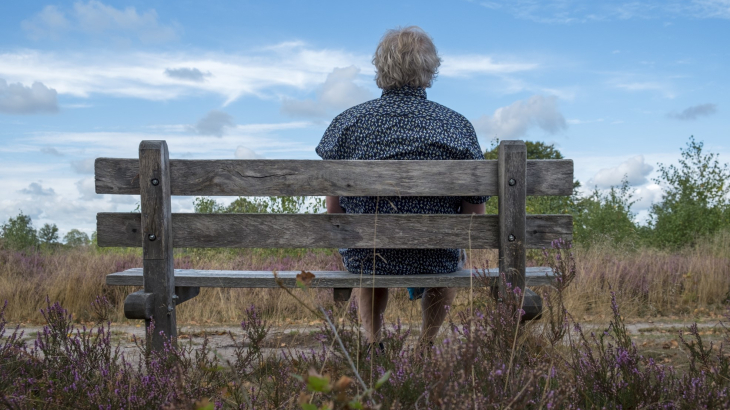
(647, 282)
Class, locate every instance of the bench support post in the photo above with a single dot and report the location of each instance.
(512, 168)
(158, 272)
(512, 164)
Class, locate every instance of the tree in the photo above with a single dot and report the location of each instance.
(695, 198)
(48, 234)
(535, 150)
(260, 205)
(538, 204)
(18, 233)
(74, 238)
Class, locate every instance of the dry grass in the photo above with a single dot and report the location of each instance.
(647, 282)
(650, 282)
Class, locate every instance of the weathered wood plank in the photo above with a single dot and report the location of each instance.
(337, 178)
(512, 217)
(331, 230)
(156, 241)
(535, 276)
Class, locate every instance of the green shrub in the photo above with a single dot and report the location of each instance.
(18, 233)
(695, 200)
(606, 217)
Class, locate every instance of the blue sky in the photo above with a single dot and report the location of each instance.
(618, 86)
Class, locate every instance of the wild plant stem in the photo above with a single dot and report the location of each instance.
(342, 346)
(514, 342)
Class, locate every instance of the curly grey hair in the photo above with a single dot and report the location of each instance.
(406, 56)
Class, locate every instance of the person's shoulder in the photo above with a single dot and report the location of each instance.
(447, 114)
(354, 112)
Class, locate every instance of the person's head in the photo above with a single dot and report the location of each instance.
(406, 56)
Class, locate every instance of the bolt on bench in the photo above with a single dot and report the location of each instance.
(157, 230)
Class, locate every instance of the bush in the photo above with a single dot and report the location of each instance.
(18, 233)
(606, 217)
(695, 200)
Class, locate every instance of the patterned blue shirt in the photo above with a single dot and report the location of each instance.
(401, 125)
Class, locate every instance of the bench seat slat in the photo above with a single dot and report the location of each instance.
(259, 177)
(535, 276)
(331, 230)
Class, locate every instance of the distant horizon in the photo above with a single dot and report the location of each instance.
(618, 87)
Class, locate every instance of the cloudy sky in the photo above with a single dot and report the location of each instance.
(618, 86)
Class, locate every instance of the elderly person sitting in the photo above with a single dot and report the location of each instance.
(403, 125)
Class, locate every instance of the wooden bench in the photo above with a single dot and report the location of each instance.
(157, 230)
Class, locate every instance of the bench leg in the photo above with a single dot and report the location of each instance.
(185, 293)
(532, 306)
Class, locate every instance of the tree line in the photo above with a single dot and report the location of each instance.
(19, 233)
(695, 203)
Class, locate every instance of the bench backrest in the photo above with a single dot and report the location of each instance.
(338, 178)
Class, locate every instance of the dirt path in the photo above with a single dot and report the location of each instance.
(656, 339)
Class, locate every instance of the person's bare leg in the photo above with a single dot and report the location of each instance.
(372, 303)
(433, 307)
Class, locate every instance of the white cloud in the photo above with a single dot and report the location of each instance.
(94, 18)
(663, 88)
(19, 99)
(261, 72)
(83, 166)
(36, 190)
(240, 128)
(337, 93)
(646, 196)
(51, 151)
(265, 72)
(216, 122)
(693, 112)
(126, 144)
(46, 205)
(513, 121)
(576, 121)
(246, 153)
(463, 65)
(187, 74)
(583, 11)
(640, 82)
(634, 168)
(50, 22)
(712, 8)
(87, 189)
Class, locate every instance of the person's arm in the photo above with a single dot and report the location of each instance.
(468, 208)
(333, 205)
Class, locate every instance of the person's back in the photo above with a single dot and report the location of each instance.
(402, 125)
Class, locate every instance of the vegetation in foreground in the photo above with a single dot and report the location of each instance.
(486, 359)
